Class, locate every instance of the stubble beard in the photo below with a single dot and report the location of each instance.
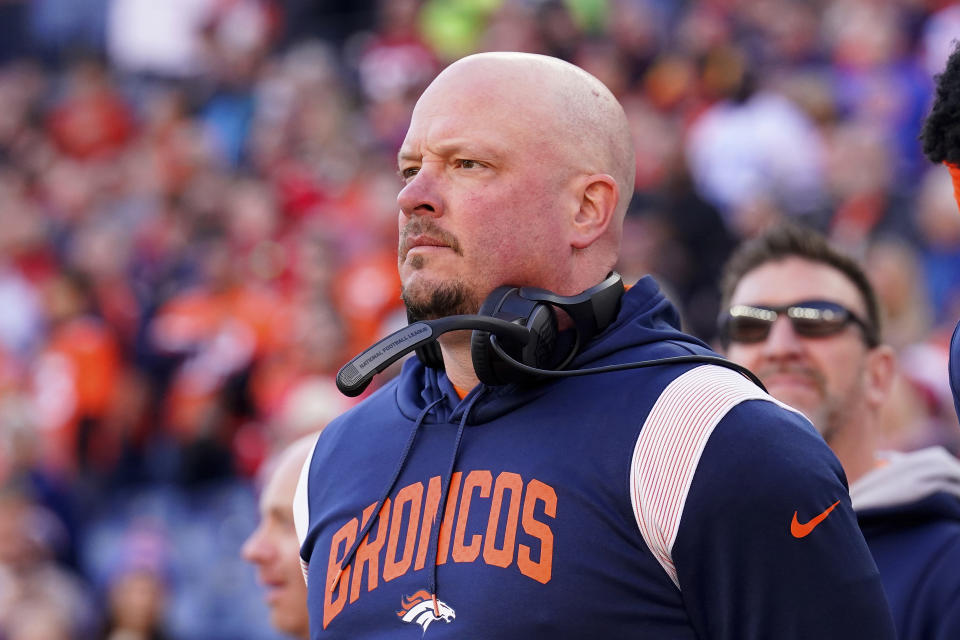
(837, 410)
(445, 299)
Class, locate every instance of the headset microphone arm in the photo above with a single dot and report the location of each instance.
(354, 376)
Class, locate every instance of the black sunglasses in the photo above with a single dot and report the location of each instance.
(809, 318)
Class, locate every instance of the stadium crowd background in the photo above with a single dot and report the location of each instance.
(198, 226)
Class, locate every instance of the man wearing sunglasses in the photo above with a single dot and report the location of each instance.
(805, 319)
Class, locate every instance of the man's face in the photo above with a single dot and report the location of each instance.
(485, 197)
(823, 377)
(274, 549)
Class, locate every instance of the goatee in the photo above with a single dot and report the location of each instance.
(445, 300)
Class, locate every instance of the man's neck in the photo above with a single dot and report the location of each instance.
(457, 359)
(856, 450)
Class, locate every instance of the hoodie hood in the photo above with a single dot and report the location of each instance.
(922, 484)
(645, 316)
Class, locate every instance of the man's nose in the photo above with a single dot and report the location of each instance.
(421, 195)
(255, 549)
(782, 341)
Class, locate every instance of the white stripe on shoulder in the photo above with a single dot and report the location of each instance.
(669, 447)
(301, 502)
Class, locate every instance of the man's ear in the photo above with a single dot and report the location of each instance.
(880, 373)
(599, 195)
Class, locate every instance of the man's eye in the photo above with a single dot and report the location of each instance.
(469, 164)
(409, 172)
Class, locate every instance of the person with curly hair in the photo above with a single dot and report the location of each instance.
(941, 144)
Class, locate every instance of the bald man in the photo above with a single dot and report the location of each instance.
(487, 493)
(273, 547)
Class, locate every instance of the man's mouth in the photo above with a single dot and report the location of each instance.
(792, 378)
(274, 589)
(423, 241)
(420, 234)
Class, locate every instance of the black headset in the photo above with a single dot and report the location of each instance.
(514, 338)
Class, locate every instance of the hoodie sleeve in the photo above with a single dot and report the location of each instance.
(755, 527)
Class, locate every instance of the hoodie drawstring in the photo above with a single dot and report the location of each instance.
(433, 549)
(386, 492)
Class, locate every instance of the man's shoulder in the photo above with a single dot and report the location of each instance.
(364, 421)
(712, 390)
(742, 426)
(707, 401)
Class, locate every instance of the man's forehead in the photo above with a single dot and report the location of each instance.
(796, 279)
(482, 89)
(451, 142)
(282, 484)
(277, 494)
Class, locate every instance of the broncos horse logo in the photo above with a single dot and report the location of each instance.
(423, 609)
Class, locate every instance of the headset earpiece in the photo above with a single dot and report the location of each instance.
(533, 309)
(431, 355)
(506, 303)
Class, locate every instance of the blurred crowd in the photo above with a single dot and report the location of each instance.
(198, 227)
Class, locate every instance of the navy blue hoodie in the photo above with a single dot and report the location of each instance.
(675, 501)
(909, 512)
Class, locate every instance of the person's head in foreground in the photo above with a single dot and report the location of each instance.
(517, 169)
(805, 319)
(273, 545)
(941, 144)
